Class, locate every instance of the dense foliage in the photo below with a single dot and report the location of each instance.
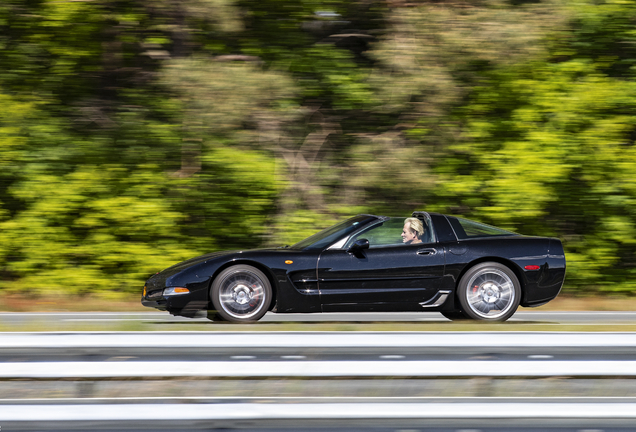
(135, 133)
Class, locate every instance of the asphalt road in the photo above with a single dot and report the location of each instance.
(523, 316)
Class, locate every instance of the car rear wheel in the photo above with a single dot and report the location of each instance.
(241, 294)
(489, 291)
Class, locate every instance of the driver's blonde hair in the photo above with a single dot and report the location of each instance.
(416, 226)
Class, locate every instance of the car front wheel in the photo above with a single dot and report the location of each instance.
(455, 315)
(241, 294)
(489, 291)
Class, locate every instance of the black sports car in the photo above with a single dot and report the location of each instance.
(429, 262)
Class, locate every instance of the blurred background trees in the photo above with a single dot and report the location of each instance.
(134, 134)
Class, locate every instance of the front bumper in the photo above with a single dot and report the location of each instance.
(161, 304)
(182, 305)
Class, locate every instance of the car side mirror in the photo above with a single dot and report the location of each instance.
(358, 246)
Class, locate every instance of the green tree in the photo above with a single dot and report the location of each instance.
(547, 146)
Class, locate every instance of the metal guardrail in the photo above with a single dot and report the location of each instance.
(223, 342)
(207, 416)
(197, 414)
(186, 343)
(316, 369)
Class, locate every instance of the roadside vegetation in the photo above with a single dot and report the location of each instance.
(135, 134)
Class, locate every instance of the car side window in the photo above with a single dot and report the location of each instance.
(466, 229)
(384, 234)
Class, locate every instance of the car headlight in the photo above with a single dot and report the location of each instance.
(175, 291)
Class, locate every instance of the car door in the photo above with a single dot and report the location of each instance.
(386, 276)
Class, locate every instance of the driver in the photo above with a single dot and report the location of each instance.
(413, 231)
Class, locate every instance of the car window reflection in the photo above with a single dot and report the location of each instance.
(387, 233)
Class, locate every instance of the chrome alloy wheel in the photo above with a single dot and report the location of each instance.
(490, 293)
(242, 295)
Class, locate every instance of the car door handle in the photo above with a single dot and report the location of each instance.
(427, 251)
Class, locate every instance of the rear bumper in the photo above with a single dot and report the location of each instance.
(545, 285)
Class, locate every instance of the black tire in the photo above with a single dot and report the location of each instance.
(455, 315)
(241, 294)
(215, 317)
(489, 292)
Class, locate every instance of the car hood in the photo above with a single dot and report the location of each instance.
(210, 256)
(161, 279)
(197, 260)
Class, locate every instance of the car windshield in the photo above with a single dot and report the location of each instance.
(332, 234)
